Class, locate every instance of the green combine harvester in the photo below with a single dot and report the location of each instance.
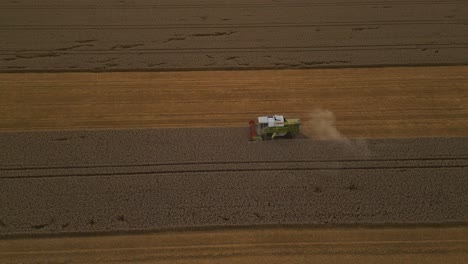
(271, 127)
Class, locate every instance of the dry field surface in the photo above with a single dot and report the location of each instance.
(100, 187)
(156, 179)
(143, 180)
(367, 102)
(109, 35)
(278, 245)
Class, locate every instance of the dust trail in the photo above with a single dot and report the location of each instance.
(320, 125)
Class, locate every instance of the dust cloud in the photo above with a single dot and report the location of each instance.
(320, 125)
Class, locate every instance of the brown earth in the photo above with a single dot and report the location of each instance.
(114, 35)
(108, 181)
(276, 245)
(366, 102)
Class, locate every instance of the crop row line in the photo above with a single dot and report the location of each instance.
(229, 162)
(237, 170)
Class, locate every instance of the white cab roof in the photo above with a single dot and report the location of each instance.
(263, 119)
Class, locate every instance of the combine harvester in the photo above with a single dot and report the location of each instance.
(271, 127)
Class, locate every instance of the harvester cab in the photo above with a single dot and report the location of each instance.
(271, 127)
